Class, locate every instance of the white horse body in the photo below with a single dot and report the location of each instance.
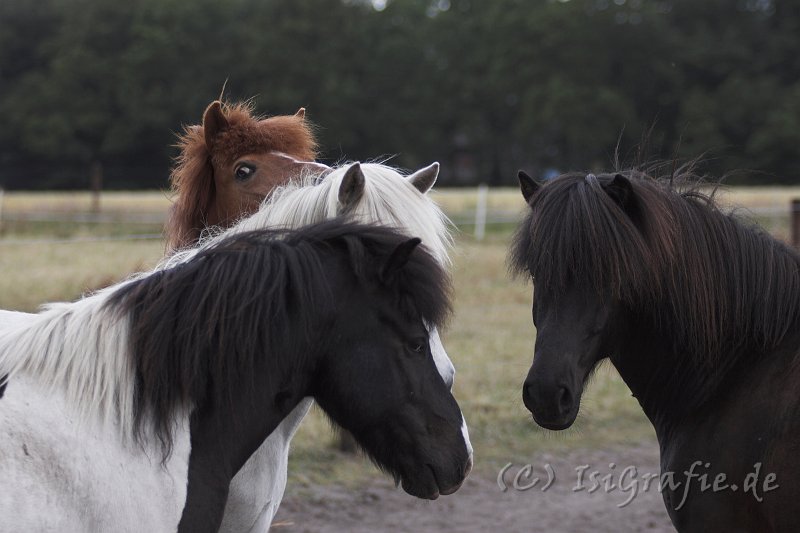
(87, 487)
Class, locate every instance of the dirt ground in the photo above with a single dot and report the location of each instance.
(480, 505)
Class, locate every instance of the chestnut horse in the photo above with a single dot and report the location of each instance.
(227, 166)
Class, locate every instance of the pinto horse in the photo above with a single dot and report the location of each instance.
(700, 314)
(229, 164)
(132, 409)
(368, 193)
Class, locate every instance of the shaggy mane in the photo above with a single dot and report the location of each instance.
(716, 287)
(142, 353)
(198, 330)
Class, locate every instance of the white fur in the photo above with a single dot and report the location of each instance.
(10, 318)
(68, 461)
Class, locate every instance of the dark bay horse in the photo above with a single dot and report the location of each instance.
(132, 409)
(700, 314)
(230, 163)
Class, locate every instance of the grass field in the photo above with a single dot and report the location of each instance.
(490, 337)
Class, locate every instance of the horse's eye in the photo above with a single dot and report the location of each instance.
(244, 172)
(417, 346)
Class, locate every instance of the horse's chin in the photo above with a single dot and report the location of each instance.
(422, 485)
(556, 425)
(426, 484)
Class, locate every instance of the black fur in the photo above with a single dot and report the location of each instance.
(199, 329)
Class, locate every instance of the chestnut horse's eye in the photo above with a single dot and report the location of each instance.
(244, 172)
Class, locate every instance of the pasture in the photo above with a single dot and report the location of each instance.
(52, 248)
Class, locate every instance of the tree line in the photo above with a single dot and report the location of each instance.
(483, 86)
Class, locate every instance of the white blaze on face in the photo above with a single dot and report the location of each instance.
(448, 373)
(440, 358)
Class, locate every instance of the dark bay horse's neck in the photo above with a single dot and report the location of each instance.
(222, 442)
(673, 390)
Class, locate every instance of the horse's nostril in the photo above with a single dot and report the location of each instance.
(564, 400)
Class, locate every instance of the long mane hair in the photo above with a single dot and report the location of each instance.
(716, 287)
(141, 353)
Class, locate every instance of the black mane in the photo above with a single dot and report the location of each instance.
(199, 329)
(717, 287)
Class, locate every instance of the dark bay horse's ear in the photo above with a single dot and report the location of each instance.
(301, 113)
(214, 122)
(424, 178)
(621, 191)
(398, 258)
(352, 187)
(527, 185)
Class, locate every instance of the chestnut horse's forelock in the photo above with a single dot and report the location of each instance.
(192, 176)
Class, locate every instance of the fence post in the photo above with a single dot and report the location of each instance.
(2, 193)
(480, 212)
(795, 222)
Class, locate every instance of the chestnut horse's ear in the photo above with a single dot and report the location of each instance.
(424, 178)
(398, 258)
(214, 122)
(621, 191)
(527, 185)
(352, 187)
(301, 113)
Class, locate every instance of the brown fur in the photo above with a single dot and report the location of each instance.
(199, 167)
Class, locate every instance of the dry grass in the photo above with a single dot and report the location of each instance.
(44, 272)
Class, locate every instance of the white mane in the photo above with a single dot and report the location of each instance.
(82, 347)
(388, 199)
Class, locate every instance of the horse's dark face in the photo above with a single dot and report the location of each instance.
(574, 328)
(379, 381)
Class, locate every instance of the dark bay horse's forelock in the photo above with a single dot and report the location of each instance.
(199, 329)
(722, 290)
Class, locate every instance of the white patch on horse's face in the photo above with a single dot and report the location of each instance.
(448, 373)
(465, 433)
(308, 165)
(440, 358)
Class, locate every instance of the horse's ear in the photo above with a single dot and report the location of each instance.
(424, 178)
(301, 113)
(527, 185)
(398, 258)
(621, 191)
(214, 122)
(352, 187)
